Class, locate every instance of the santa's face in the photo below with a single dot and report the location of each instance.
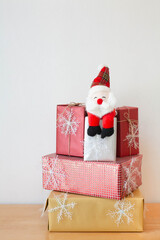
(100, 97)
(101, 102)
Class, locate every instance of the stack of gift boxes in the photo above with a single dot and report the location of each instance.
(94, 180)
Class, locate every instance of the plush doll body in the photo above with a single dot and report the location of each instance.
(101, 105)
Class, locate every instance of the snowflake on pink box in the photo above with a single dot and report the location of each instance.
(54, 174)
(131, 173)
(67, 123)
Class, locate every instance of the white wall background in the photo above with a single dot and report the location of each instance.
(50, 51)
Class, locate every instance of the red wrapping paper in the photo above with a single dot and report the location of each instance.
(123, 146)
(112, 180)
(70, 130)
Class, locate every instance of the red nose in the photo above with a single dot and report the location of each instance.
(99, 101)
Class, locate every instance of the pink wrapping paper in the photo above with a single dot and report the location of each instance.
(70, 130)
(112, 180)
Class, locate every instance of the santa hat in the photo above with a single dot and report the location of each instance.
(101, 82)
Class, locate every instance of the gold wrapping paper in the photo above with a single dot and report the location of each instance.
(72, 212)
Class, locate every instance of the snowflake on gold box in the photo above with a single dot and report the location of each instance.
(123, 212)
(62, 207)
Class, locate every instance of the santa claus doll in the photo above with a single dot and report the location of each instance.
(100, 105)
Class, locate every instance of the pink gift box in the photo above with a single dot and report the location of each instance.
(112, 180)
(70, 130)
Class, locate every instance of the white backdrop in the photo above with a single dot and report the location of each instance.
(50, 51)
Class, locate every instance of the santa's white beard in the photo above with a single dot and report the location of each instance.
(102, 109)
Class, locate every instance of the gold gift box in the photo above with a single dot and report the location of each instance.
(72, 212)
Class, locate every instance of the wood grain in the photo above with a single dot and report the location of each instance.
(23, 222)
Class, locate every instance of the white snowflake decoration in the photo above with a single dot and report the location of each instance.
(133, 136)
(55, 174)
(123, 212)
(62, 207)
(131, 172)
(68, 123)
(97, 145)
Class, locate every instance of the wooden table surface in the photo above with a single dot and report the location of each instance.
(23, 222)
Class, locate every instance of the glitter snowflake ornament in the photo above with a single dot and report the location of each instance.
(62, 207)
(123, 212)
(68, 123)
(54, 173)
(131, 172)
